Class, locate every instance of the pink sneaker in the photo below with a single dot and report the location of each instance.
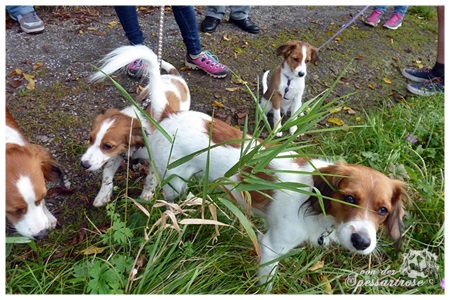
(394, 22)
(208, 63)
(374, 18)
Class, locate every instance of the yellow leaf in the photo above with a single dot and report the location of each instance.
(226, 38)
(92, 250)
(113, 23)
(92, 28)
(217, 104)
(346, 108)
(318, 265)
(18, 71)
(327, 286)
(31, 84)
(338, 39)
(358, 119)
(335, 121)
(370, 86)
(335, 110)
(387, 80)
(183, 69)
(233, 89)
(37, 65)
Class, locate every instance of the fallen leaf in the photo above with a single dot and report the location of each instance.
(359, 58)
(112, 24)
(18, 71)
(370, 86)
(358, 119)
(217, 104)
(16, 83)
(318, 265)
(338, 39)
(91, 29)
(233, 89)
(326, 284)
(226, 38)
(351, 111)
(356, 85)
(31, 83)
(92, 250)
(37, 65)
(335, 110)
(335, 121)
(387, 80)
(183, 69)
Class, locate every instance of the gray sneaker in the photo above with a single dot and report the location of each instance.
(31, 23)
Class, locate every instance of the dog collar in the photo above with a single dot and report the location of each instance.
(325, 234)
(286, 90)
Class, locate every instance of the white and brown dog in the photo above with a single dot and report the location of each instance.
(366, 199)
(28, 167)
(118, 133)
(287, 84)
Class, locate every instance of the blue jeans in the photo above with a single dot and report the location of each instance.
(397, 9)
(15, 11)
(184, 16)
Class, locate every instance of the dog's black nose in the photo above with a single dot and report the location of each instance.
(41, 235)
(360, 242)
(85, 164)
(301, 74)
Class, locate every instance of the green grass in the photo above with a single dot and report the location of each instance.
(130, 254)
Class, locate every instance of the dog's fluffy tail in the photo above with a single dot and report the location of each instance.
(264, 81)
(125, 55)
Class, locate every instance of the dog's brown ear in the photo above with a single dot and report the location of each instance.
(314, 55)
(393, 225)
(50, 168)
(326, 185)
(285, 49)
(136, 139)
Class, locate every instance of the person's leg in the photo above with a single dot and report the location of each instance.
(239, 12)
(15, 11)
(214, 15)
(196, 58)
(400, 10)
(438, 69)
(381, 8)
(129, 19)
(28, 20)
(431, 81)
(375, 16)
(187, 22)
(396, 20)
(217, 12)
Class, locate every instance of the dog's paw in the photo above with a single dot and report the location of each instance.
(146, 195)
(292, 129)
(101, 200)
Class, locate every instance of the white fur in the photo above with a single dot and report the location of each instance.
(37, 219)
(289, 226)
(292, 100)
(157, 87)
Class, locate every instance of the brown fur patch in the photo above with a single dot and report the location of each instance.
(222, 132)
(258, 199)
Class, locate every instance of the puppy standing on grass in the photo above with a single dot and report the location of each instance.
(118, 133)
(366, 199)
(287, 84)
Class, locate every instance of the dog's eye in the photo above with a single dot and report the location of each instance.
(307, 61)
(107, 147)
(350, 199)
(382, 211)
(295, 59)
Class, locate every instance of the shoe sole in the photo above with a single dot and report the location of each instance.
(195, 67)
(392, 28)
(419, 92)
(372, 24)
(414, 78)
(33, 31)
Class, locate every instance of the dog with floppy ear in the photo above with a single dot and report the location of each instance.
(285, 90)
(28, 167)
